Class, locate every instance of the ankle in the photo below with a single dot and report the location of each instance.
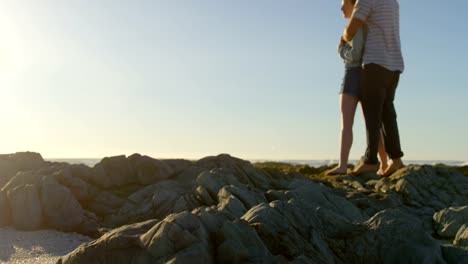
(397, 162)
(341, 165)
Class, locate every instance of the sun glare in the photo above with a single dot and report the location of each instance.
(13, 53)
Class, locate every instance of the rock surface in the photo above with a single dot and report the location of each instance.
(461, 238)
(224, 209)
(448, 221)
(26, 207)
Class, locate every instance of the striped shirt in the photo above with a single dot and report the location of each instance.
(383, 45)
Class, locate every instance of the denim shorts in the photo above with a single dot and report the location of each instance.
(351, 80)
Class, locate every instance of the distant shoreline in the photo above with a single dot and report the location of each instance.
(312, 163)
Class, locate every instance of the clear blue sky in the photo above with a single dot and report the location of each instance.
(187, 79)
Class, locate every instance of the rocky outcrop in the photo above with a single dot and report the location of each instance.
(121, 245)
(136, 169)
(148, 170)
(461, 238)
(113, 171)
(83, 199)
(224, 209)
(154, 201)
(10, 164)
(26, 207)
(60, 207)
(434, 187)
(448, 221)
(5, 211)
(393, 236)
(454, 254)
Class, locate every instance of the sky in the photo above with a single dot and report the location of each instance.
(192, 78)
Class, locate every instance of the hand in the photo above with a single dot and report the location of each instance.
(342, 41)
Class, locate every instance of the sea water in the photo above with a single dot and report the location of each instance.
(311, 163)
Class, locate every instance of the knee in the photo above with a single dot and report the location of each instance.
(347, 127)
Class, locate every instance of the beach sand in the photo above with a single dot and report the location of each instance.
(43, 246)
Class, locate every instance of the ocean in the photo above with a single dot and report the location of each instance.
(312, 163)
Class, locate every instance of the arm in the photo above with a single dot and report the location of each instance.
(357, 44)
(352, 51)
(351, 29)
(361, 12)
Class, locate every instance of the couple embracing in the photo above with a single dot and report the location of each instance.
(370, 47)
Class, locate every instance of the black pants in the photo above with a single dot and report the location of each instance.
(377, 92)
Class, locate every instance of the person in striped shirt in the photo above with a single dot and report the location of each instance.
(382, 65)
(351, 53)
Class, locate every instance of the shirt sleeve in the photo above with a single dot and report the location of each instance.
(362, 9)
(352, 51)
(343, 50)
(357, 44)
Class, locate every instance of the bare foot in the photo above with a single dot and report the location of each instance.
(337, 171)
(365, 168)
(382, 169)
(395, 165)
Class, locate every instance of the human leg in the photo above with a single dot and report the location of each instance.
(390, 128)
(382, 155)
(348, 105)
(374, 81)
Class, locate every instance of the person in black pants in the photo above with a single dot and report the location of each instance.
(382, 66)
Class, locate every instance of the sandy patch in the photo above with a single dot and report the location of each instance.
(43, 246)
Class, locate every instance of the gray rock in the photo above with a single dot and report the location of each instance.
(286, 231)
(212, 181)
(121, 245)
(5, 211)
(113, 171)
(26, 207)
(104, 203)
(154, 201)
(23, 178)
(81, 189)
(204, 196)
(273, 195)
(149, 170)
(23, 161)
(7, 170)
(461, 238)
(223, 209)
(309, 195)
(177, 165)
(188, 176)
(90, 226)
(239, 243)
(211, 218)
(186, 202)
(249, 198)
(61, 209)
(230, 205)
(393, 236)
(11, 164)
(454, 255)
(448, 221)
(179, 238)
(83, 172)
(303, 260)
(243, 170)
(434, 187)
(27, 160)
(334, 225)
